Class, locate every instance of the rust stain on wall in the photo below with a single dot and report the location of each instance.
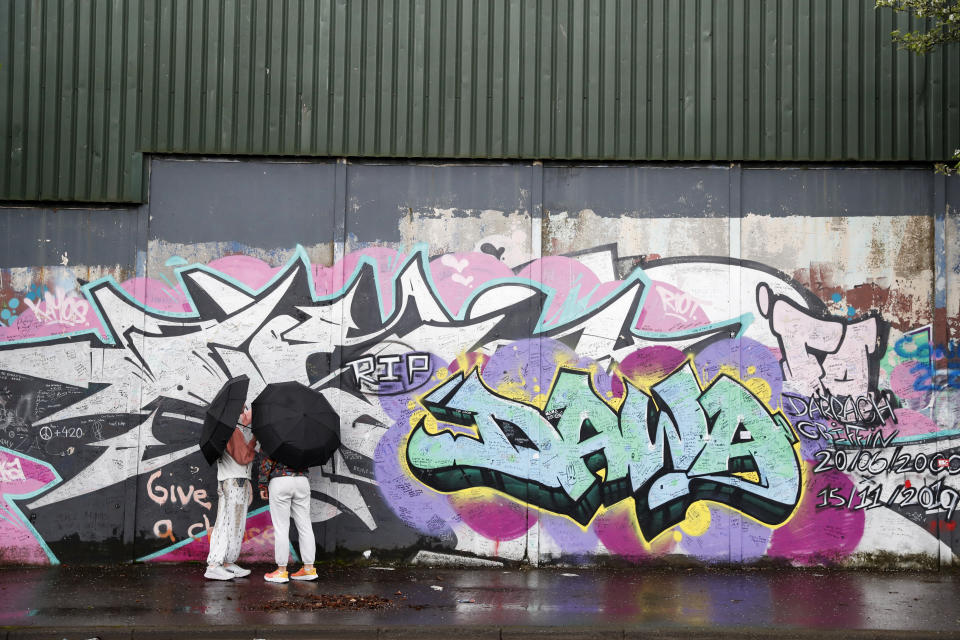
(904, 309)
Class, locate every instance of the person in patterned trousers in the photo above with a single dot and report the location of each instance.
(234, 493)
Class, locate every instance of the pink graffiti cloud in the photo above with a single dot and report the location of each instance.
(257, 544)
(603, 290)
(27, 325)
(648, 366)
(667, 308)
(617, 529)
(902, 381)
(157, 294)
(322, 280)
(21, 477)
(494, 517)
(166, 295)
(253, 272)
(387, 261)
(458, 275)
(567, 277)
(816, 535)
(910, 423)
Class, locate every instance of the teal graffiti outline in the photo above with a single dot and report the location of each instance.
(417, 255)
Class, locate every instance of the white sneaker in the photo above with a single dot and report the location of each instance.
(218, 573)
(237, 570)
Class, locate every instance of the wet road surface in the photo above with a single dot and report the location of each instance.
(176, 601)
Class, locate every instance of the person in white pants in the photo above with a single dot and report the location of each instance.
(234, 494)
(288, 491)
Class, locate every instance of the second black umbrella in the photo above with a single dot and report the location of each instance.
(295, 425)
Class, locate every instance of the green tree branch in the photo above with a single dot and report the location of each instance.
(942, 19)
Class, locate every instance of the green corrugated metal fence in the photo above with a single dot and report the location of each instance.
(88, 86)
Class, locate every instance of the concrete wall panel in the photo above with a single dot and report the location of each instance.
(536, 364)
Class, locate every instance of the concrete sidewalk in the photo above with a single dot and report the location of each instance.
(175, 601)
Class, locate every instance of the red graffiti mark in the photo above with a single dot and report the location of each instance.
(907, 484)
(941, 524)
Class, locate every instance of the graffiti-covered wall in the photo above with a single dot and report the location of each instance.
(532, 363)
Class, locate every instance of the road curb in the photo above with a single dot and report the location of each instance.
(441, 632)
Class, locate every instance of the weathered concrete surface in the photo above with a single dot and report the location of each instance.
(823, 299)
(175, 601)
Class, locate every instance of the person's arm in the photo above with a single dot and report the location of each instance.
(252, 446)
(266, 466)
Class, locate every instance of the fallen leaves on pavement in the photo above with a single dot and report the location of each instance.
(310, 602)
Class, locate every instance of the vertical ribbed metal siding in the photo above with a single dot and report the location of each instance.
(90, 85)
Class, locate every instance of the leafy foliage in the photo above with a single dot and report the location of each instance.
(943, 27)
(943, 23)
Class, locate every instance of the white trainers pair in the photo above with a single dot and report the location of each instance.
(225, 572)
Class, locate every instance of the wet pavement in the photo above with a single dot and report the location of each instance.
(175, 601)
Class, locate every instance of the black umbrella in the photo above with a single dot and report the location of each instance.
(295, 425)
(222, 416)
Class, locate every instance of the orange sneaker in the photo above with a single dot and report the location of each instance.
(303, 574)
(280, 575)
